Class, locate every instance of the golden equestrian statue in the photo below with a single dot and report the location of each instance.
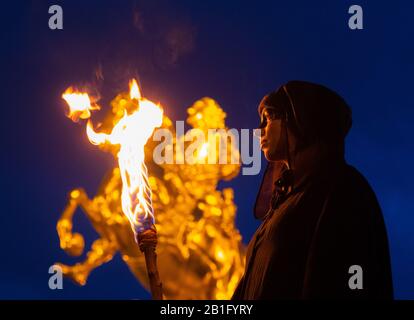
(200, 252)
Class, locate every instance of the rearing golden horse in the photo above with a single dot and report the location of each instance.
(200, 253)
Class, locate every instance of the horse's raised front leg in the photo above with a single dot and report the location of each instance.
(72, 243)
(102, 250)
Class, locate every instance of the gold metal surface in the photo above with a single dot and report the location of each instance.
(200, 253)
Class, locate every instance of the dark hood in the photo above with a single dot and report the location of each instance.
(313, 111)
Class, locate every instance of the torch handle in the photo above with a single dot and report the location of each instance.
(152, 270)
(147, 241)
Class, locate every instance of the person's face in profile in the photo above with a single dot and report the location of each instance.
(271, 138)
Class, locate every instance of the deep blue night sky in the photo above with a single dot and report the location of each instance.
(233, 51)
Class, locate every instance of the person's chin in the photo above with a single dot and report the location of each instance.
(270, 156)
(267, 154)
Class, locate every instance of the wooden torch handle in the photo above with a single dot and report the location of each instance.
(147, 241)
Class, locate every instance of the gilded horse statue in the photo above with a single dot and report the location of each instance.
(200, 250)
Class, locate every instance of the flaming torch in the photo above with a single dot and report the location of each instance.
(130, 133)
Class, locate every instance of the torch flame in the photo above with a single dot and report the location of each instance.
(134, 91)
(79, 104)
(131, 133)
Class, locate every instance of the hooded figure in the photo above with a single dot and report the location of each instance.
(322, 233)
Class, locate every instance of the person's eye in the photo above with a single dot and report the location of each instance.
(263, 120)
(269, 114)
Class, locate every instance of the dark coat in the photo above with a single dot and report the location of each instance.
(305, 247)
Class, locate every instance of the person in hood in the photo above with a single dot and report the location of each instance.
(322, 233)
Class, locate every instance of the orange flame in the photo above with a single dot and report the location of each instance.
(134, 91)
(132, 132)
(79, 104)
